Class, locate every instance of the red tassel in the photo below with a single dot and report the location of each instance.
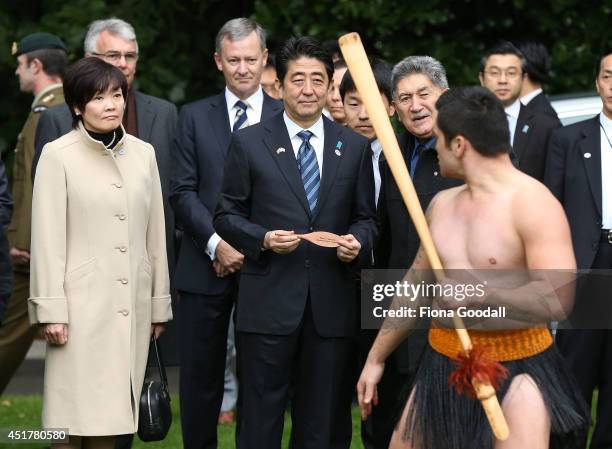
(475, 365)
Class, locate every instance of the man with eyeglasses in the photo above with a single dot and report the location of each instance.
(502, 71)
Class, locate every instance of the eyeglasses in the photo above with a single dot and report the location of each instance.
(510, 73)
(115, 56)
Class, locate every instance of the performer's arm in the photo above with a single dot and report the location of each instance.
(393, 332)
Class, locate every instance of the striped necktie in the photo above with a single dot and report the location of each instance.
(241, 119)
(309, 169)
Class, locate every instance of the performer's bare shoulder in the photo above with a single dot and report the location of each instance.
(509, 220)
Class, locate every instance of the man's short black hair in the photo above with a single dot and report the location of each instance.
(302, 47)
(502, 48)
(382, 75)
(475, 113)
(86, 78)
(603, 56)
(537, 61)
(53, 60)
(332, 47)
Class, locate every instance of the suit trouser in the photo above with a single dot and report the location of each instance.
(203, 326)
(589, 354)
(16, 334)
(315, 366)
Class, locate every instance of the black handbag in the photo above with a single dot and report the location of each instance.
(155, 415)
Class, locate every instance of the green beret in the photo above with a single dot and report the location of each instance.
(37, 41)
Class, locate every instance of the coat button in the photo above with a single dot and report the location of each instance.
(121, 217)
(307, 263)
(123, 249)
(124, 281)
(124, 312)
(118, 185)
(310, 228)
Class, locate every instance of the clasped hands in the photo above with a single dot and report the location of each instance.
(227, 259)
(284, 242)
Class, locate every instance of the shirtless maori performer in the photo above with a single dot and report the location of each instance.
(499, 219)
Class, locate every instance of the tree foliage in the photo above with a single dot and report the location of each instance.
(176, 38)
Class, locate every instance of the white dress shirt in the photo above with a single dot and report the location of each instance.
(525, 99)
(606, 171)
(512, 113)
(376, 150)
(254, 106)
(316, 141)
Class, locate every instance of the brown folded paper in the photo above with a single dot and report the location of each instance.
(321, 238)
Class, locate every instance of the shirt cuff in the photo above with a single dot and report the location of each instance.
(211, 246)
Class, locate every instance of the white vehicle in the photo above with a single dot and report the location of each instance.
(574, 108)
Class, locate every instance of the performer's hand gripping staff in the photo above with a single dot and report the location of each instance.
(359, 67)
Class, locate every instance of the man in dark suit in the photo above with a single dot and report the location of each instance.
(502, 70)
(205, 274)
(6, 269)
(416, 84)
(537, 72)
(293, 174)
(579, 174)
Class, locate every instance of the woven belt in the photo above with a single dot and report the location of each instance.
(502, 346)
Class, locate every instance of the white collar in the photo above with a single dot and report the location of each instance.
(606, 122)
(376, 148)
(254, 102)
(293, 128)
(514, 109)
(525, 99)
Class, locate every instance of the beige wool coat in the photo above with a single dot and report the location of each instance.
(98, 264)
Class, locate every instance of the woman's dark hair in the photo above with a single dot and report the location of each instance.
(87, 77)
(302, 47)
(476, 114)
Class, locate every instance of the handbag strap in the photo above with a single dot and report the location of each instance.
(160, 363)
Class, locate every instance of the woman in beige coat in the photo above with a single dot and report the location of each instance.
(99, 275)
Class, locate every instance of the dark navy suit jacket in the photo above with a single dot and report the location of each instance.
(263, 191)
(202, 141)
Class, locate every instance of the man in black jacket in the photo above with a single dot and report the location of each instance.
(502, 70)
(579, 174)
(6, 207)
(537, 72)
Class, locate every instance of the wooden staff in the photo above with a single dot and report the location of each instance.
(361, 72)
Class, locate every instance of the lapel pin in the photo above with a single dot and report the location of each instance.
(339, 145)
(280, 150)
(337, 152)
(587, 155)
(435, 173)
(525, 129)
(121, 151)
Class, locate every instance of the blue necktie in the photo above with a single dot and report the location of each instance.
(241, 116)
(414, 159)
(309, 169)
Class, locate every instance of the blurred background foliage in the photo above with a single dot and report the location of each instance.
(176, 37)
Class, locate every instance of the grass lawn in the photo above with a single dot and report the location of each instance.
(24, 412)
